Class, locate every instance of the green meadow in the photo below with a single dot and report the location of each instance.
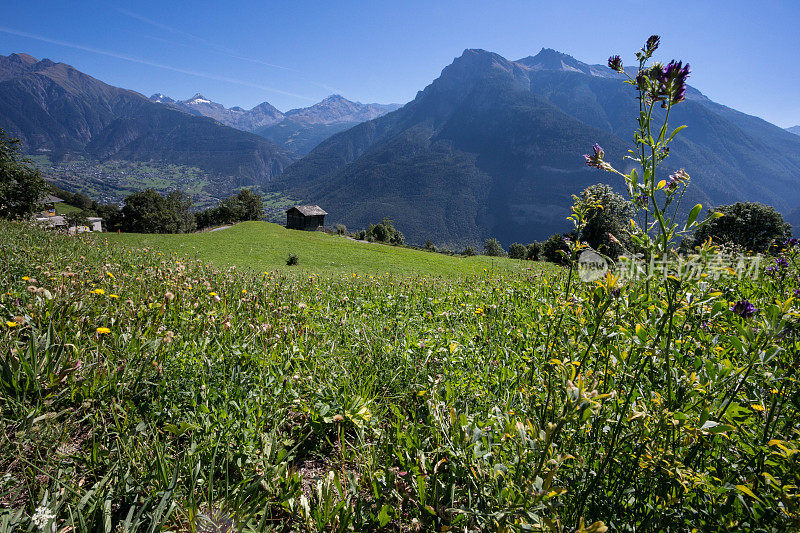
(262, 246)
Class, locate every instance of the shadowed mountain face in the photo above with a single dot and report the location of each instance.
(492, 148)
(794, 129)
(298, 130)
(60, 112)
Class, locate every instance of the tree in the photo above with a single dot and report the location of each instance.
(21, 184)
(533, 251)
(491, 247)
(252, 205)
(751, 225)
(555, 249)
(149, 212)
(610, 217)
(517, 251)
(76, 219)
(179, 205)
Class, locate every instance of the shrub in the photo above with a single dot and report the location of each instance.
(292, 260)
(533, 251)
(517, 251)
(21, 184)
(492, 248)
(430, 247)
(750, 225)
(469, 251)
(384, 232)
(555, 249)
(340, 229)
(611, 216)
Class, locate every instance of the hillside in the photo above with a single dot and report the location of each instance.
(262, 246)
(65, 114)
(493, 148)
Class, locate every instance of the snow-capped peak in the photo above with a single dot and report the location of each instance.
(198, 99)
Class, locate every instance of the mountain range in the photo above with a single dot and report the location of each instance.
(298, 130)
(65, 114)
(794, 129)
(493, 148)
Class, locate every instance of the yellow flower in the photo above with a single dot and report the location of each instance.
(110, 275)
(212, 294)
(11, 324)
(113, 296)
(25, 278)
(98, 291)
(102, 331)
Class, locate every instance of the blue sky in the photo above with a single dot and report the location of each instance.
(293, 53)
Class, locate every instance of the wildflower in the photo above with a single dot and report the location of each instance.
(42, 517)
(25, 278)
(678, 178)
(671, 81)
(169, 296)
(113, 296)
(797, 293)
(216, 298)
(650, 46)
(791, 243)
(31, 289)
(110, 275)
(98, 291)
(11, 323)
(103, 331)
(615, 63)
(596, 159)
(338, 418)
(642, 200)
(744, 309)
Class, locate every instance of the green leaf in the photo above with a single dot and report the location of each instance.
(745, 490)
(693, 215)
(383, 516)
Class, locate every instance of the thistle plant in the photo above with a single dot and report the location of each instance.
(657, 197)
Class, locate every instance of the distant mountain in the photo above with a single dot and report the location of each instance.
(65, 114)
(794, 129)
(303, 129)
(492, 148)
(260, 116)
(298, 130)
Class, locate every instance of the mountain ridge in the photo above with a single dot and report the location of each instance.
(515, 131)
(298, 130)
(61, 112)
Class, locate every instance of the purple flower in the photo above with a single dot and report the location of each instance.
(615, 292)
(596, 159)
(672, 81)
(642, 200)
(615, 63)
(782, 263)
(797, 293)
(677, 179)
(744, 309)
(791, 243)
(652, 43)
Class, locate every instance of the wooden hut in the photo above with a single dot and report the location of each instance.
(307, 217)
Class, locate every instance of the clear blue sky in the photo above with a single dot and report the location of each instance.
(744, 53)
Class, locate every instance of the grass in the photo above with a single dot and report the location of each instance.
(65, 209)
(140, 391)
(263, 246)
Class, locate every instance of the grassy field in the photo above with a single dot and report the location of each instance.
(140, 391)
(262, 246)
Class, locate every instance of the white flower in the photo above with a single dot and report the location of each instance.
(42, 517)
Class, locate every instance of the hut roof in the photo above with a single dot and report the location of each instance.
(309, 210)
(50, 199)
